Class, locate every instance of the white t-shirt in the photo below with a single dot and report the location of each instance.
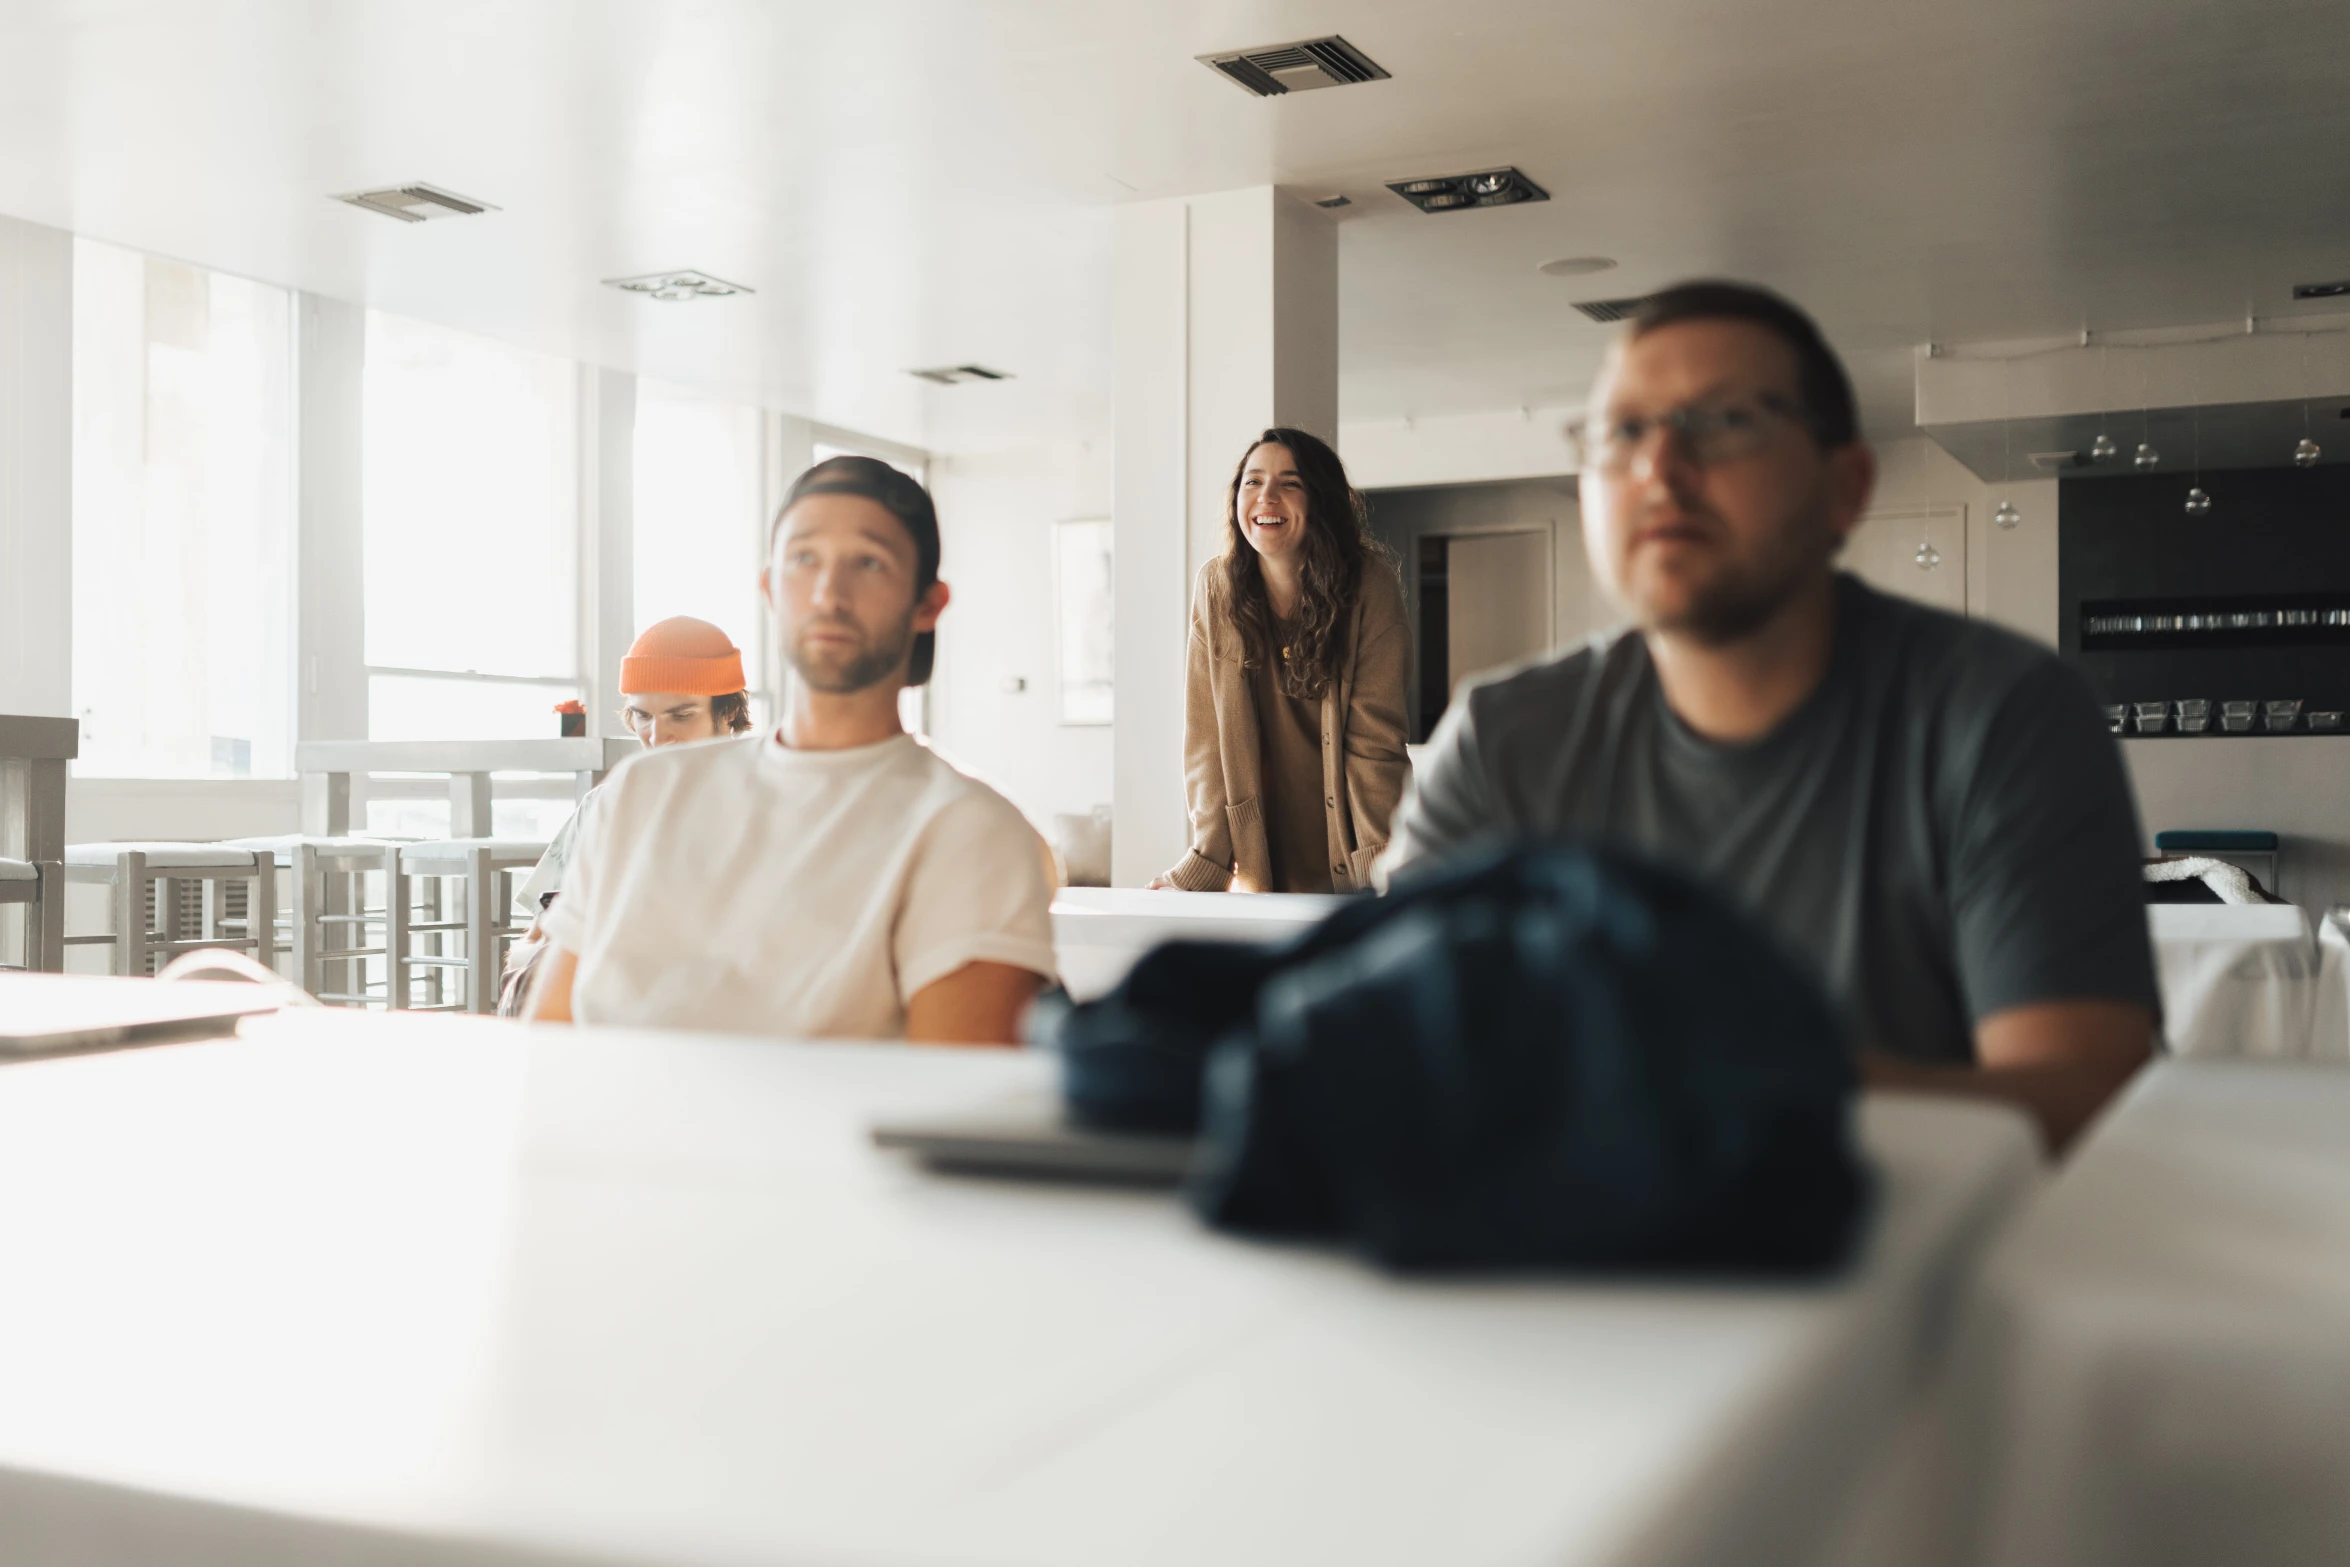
(746, 886)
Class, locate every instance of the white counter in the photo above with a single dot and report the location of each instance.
(409, 1289)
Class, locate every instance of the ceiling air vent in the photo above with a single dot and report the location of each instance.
(417, 203)
(678, 285)
(1299, 67)
(2321, 290)
(1459, 192)
(1612, 309)
(956, 375)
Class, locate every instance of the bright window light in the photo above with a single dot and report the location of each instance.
(700, 535)
(183, 519)
(469, 498)
(426, 707)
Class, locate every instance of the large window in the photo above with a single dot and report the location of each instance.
(700, 539)
(183, 485)
(470, 505)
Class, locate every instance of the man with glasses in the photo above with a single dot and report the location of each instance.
(1928, 810)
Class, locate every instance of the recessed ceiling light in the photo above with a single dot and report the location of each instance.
(419, 203)
(1482, 188)
(1332, 203)
(2321, 290)
(1576, 266)
(956, 375)
(678, 285)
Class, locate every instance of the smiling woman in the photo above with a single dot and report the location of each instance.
(1294, 701)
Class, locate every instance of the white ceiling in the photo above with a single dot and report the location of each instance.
(910, 183)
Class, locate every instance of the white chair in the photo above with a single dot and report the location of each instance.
(487, 924)
(321, 906)
(39, 889)
(132, 871)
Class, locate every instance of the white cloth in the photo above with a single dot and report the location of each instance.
(2329, 1030)
(747, 886)
(2229, 883)
(2155, 1370)
(547, 875)
(2237, 979)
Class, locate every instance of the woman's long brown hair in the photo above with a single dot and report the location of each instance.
(1337, 543)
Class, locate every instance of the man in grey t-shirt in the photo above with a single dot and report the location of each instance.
(1928, 810)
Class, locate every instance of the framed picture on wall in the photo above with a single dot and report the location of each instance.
(1082, 607)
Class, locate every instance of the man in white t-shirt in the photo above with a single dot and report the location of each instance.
(833, 878)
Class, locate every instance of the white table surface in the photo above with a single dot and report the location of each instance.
(2237, 979)
(404, 1289)
(2159, 1356)
(1098, 932)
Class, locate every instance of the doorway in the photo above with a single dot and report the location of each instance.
(1484, 604)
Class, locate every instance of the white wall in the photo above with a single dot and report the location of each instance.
(36, 469)
(996, 515)
(1509, 443)
(2011, 573)
(2297, 788)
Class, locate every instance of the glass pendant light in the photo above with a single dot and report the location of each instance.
(1927, 556)
(2198, 500)
(2146, 456)
(2005, 514)
(2102, 448)
(2307, 453)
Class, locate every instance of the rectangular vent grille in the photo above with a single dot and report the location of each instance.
(417, 203)
(1302, 66)
(1612, 309)
(956, 375)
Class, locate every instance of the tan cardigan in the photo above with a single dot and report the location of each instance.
(1363, 761)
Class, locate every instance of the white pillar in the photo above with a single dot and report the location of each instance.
(607, 545)
(330, 548)
(36, 470)
(1225, 323)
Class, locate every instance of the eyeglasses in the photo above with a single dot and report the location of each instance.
(1709, 432)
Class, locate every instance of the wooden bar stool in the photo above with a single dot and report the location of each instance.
(130, 871)
(328, 925)
(486, 922)
(38, 889)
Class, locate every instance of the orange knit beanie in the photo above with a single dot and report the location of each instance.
(685, 655)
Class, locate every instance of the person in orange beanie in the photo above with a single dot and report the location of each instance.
(683, 680)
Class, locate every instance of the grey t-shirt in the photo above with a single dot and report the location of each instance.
(1943, 828)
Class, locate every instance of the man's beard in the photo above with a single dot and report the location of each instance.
(1735, 606)
(1744, 596)
(876, 663)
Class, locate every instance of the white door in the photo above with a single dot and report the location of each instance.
(1885, 552)
(1497, 600)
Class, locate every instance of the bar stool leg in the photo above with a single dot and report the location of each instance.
(45, 928)
(261, 910)
(306, 936)
(130, 912)
(481, 942)
(395, 932)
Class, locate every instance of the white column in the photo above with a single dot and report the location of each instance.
(607, 547)
(331, 653)
(1225, 323)
(36, 470)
